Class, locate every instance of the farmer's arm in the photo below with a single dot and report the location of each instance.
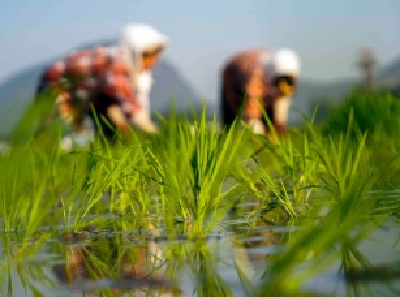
(254, 92)
(253, 108)
(281, 110)
(136, 113)
(118, 86)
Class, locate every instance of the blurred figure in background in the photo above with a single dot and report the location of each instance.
(115, 81)
(259, 79)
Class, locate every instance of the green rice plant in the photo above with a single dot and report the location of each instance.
(347, 176)
(122, 178)
(284, 174)
(192, 169)
(25, 184)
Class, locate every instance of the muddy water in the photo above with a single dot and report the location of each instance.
(64, 265)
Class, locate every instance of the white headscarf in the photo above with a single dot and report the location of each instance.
(284, 62)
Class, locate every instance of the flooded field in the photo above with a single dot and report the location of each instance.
(229, 261)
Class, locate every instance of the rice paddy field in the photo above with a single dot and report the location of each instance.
(194, 211)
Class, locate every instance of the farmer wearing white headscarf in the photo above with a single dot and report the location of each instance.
(259, 79)
(115, 80)
(141, 47)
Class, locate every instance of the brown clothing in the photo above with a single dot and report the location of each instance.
(245, 81)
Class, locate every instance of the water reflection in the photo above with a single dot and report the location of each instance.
(122, 264)
(352, 271)
(363, 278)
(261, 235)
(115, 265)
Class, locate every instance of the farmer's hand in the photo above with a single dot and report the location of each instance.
(142, 121)
(118, 118)
(149, 127)
(257, 126)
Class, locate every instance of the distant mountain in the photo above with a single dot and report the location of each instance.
(17, 92)
(390, 75)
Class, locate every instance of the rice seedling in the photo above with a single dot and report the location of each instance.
(191, 171)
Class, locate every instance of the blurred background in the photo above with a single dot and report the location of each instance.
(328, 35)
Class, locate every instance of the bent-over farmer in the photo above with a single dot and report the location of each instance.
(115, 81)
(259, 79)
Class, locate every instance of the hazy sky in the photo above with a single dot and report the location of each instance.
(326, 34)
